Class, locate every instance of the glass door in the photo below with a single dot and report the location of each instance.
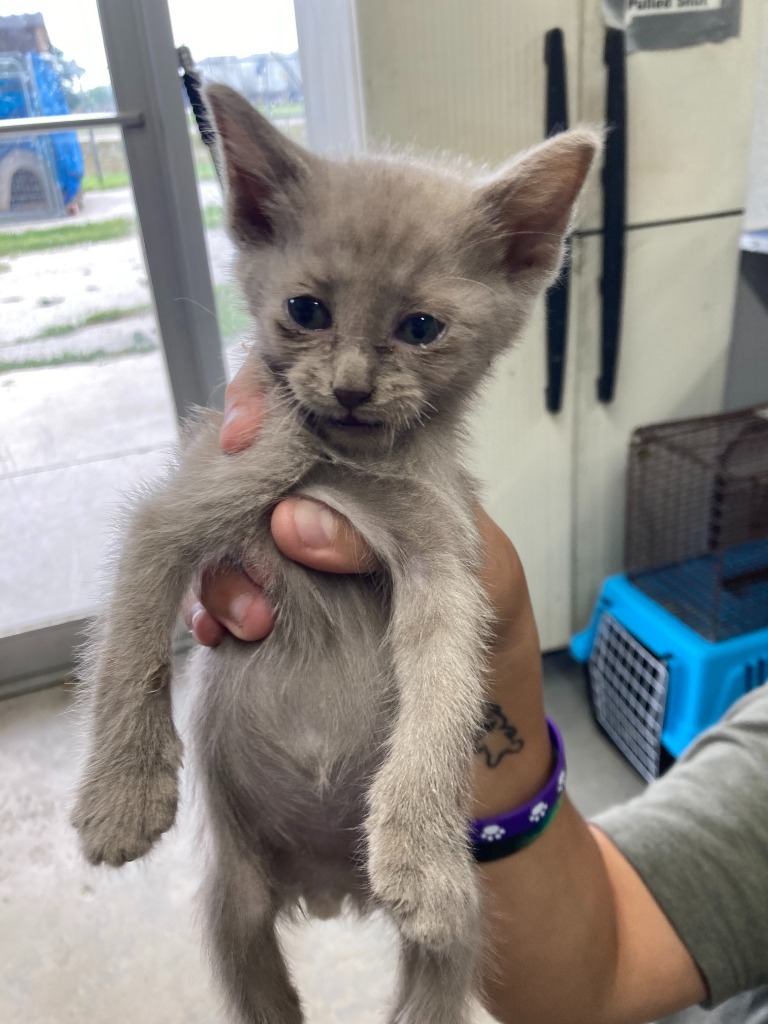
(253, 49)
(106, 332)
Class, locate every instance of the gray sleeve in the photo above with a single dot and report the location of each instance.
(698, 837)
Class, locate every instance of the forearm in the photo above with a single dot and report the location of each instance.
(550, 926)
(550, 931)
(572, 933)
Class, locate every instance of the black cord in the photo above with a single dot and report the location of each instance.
(193, 86)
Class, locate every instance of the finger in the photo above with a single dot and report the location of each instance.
(201, 625)
(243, 412)
(205, 629)
(189, 606)
(311, 533)
(238, 604)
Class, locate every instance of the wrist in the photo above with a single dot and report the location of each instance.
(505, 832)
(508, 779)
(514, 753)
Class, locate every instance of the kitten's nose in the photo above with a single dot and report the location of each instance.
(351, 399)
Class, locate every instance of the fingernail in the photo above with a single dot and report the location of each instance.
(235, 413)
(240, 608)
(315, 523)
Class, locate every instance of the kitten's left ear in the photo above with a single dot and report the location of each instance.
(530, 202)
(263, 168)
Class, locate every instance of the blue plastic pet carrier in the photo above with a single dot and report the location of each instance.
(684, 632)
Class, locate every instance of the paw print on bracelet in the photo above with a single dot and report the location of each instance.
(492, 833)
(538, 811)
(504, 834)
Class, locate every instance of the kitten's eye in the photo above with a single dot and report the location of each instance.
(419, 329)
(309, 313)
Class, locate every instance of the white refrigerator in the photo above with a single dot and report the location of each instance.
(489, 77)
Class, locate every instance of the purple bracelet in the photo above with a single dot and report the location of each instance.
(492, 838)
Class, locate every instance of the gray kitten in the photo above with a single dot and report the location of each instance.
(334, 756)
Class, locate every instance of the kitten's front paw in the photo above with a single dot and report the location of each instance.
(429, 887)
(121, 815)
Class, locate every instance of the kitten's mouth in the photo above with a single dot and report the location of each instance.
(350, 422)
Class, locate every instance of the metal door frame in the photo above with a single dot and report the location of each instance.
(140, 49)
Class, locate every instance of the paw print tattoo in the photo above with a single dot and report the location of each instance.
(498, 737)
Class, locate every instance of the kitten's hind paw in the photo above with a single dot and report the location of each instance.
(120, 815)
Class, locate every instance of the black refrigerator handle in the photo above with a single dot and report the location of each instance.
(557, 295)
(614, 211)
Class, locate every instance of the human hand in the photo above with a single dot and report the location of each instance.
(232, 600)
(515, 754)
(319, 538)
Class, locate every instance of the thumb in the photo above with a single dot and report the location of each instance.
(315, 535)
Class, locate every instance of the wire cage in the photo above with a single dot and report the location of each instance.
(697, 520)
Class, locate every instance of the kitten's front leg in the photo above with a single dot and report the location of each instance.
(214, 506)
(127, 795)
(418, 855)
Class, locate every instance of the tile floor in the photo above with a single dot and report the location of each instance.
(84, 946)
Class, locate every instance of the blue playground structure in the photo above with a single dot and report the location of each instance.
(40, 176)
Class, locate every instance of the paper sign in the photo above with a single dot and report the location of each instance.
(642, 8)
(672, 24)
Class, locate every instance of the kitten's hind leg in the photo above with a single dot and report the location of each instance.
(435, 987)
(240, 908)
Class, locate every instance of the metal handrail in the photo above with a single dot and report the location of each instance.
(64, 122)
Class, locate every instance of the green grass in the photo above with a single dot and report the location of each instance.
(205, 169)
(103, 316)
(121, 179)
(16, 244)
(230, 310)
(283, 110)
(111, 179)
(70, 234)
(233, 320)
(213, 216)
(140, 345)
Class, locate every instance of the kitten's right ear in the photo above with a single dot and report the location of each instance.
(263, 168)
(530, 202)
